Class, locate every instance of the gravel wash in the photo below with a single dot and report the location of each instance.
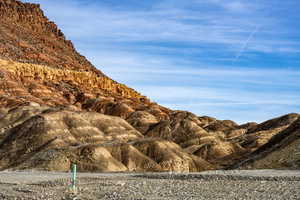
(148, 186)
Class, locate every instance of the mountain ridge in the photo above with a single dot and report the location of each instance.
(58, 109)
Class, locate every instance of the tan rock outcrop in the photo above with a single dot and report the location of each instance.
(32, 74)
(142, 121)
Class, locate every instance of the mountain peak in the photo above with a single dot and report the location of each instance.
(27, 35)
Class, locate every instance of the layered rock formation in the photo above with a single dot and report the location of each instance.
(57, 109)
(26, 35)
(53, 86)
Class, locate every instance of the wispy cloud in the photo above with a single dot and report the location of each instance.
(167, 24)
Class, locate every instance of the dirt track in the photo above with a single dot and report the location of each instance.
(243, 184)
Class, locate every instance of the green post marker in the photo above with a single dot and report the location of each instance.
(74, 177)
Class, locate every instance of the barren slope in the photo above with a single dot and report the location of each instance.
(282, 151)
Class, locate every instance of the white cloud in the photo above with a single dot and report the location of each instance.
(235, 6)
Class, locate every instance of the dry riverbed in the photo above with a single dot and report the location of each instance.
(236, 184)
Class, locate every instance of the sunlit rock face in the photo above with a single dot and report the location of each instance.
(46, 138)
(28, 36)
(281, 151)
(57, 109)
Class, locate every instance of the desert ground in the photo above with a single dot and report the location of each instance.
(235, 184)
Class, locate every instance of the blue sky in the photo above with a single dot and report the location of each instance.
(233, 59)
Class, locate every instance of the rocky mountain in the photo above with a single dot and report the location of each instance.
(58, 109)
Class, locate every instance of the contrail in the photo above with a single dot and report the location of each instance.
(246, 43)
(253, 33)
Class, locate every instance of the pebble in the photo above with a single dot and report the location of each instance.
(158, 186)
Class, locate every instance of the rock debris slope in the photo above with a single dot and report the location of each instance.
(57, 109)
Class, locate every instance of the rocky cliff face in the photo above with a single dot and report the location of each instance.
(22, 83)
(26, 35)
(57, 109)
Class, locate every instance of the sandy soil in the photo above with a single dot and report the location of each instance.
(236, 184)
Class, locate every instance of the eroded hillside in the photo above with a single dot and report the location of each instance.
(51, 138)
